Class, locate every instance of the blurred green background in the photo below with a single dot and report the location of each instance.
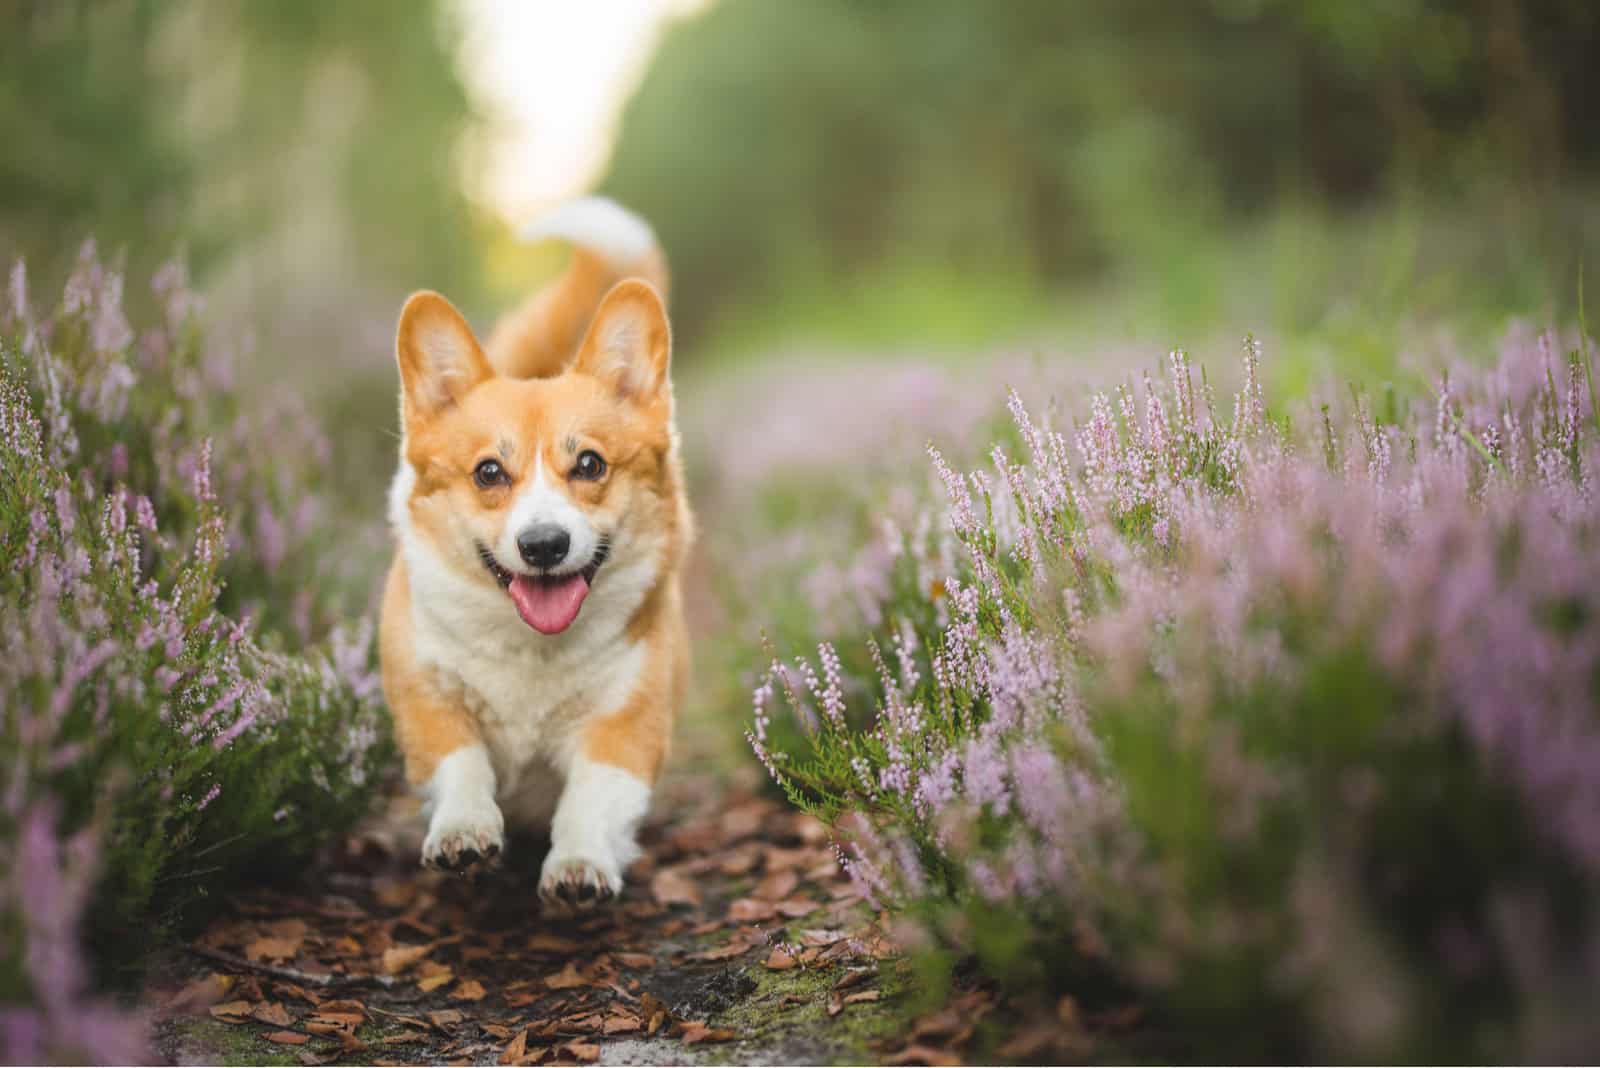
(931, 176)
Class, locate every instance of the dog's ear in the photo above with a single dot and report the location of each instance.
(440, 360)
(629, 344)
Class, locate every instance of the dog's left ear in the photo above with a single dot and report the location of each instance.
(629, 344)
(440, 361)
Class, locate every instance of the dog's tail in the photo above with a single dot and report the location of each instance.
(610, 243)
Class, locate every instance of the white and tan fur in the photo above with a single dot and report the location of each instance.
(500, 722)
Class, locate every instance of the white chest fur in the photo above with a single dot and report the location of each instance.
(531, 693)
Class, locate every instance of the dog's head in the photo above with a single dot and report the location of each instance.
(534, 485)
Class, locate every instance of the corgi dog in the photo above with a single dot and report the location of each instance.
(533, 645)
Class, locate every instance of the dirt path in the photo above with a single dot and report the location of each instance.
(737, 939)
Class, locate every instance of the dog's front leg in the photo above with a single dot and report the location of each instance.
(466, 825)
(609, 778)
(592, 838)
(446, 759)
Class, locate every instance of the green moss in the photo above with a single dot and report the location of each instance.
(790, 1008)
(202, 1039)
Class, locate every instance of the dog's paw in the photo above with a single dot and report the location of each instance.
(460, 835)
(579, 879)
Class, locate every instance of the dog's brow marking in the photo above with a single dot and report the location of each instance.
(505, 447)
(571, 444)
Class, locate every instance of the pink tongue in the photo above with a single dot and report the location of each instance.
(549, 605)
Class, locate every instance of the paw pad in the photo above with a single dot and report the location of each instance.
(577, 884)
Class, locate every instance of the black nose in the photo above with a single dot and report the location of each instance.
(544, 545)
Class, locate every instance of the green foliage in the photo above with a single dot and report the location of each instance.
(173, 693)
(820, 146)
(236, 127)
(1293, 729)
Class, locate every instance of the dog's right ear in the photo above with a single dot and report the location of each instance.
(440, 361)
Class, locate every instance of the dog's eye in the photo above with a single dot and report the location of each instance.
(589, 466)
(489, 473)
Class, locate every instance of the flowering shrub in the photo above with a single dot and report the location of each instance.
(158, 737)
(1290, 723)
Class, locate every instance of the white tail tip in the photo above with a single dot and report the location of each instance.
(599, 224)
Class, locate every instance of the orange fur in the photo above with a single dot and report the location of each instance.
(557, 377)
(427, 725)
(636, 738)
(538, 338)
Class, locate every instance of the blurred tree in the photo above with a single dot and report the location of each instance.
(295, 136)
(87, 121)
(773, 140)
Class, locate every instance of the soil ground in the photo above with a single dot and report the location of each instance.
(736, 940)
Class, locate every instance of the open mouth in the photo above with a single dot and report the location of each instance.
(547, 602)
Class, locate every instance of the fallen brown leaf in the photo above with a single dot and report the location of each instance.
(544, 942)
(287, 1038)
(880, 947)
(202, 993)
(744, 820)
(740, 861)
(566, 978)
(298, 992)
(636, 960)
(672, 887)
(854, 977)
(621, 1023)
(232, 1011)
(797, 906)
(515, 1050)
(429, 983)
(272, 948)
(337, 1024)
(346, 1005)
(824, 870)
(784, 859)
(810, 829)
(654, 1012)
(400, 1038)
(349, 1043)
(780, 960)
(468, 990)
(821, 936)
(398, 958)
(445, 1018)
(779, 884)
(272, 1012)
(397, 894)
(863, 995)
(751, 910)
(949, 1025)
(290, 927)
(694, 1032)
(726, 951)
(583, 1051)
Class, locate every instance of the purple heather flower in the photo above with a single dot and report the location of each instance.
(17, 291)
